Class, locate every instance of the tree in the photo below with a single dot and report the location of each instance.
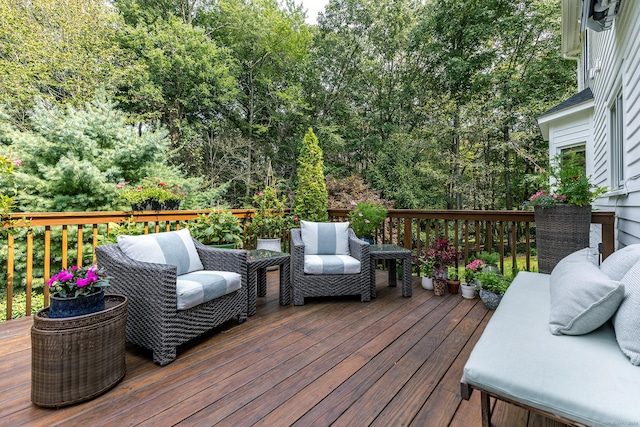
(59, 51)
(310, 202)
(185, 81)
(269, 41)
(73, 158)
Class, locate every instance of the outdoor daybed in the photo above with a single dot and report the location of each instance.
(579, 377)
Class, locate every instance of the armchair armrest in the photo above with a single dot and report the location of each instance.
(149, 286)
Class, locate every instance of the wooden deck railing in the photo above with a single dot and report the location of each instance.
(40, 244)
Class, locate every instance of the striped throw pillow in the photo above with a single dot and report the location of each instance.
(172, 247)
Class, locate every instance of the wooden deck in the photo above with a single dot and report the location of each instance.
(393, 361)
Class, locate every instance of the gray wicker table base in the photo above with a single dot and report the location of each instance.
(257, 263)
(391, 253)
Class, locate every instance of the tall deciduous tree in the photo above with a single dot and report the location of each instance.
(58, 50)
(270, 42)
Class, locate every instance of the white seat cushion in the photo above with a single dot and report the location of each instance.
(584, 378)
(172, 247)
(325, 238)
(331, 264)
(201, 286)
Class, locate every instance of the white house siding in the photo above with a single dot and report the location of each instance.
(617, 54)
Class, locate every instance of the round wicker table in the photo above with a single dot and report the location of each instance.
(74, 359)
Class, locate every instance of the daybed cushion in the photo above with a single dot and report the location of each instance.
(582, 297)
(331, 264)
(325, 238)
(201, 286)
(627, 320)
(585, 378)
(620, 262)
(172, 247)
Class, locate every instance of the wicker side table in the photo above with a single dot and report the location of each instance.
(391, 253)
(257, 263)
(74, 359)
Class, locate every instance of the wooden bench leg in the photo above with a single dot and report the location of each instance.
(485, 404)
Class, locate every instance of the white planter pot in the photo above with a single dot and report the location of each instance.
(468, 291)
(427, 283)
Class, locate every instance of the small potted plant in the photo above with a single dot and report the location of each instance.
(270, 218)
(77, 291)
(453, 282)
(490, 261)
(366, 218)
(492, 288)
(469, 286)
(217, 228)
(425, 265)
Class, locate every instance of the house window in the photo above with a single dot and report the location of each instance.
(616, 115)
(578, 155)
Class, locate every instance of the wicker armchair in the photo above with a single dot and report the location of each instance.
(318, 285)
(154, 322)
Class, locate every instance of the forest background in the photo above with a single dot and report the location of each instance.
(431, 103)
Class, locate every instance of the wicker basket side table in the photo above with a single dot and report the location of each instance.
(74, 359)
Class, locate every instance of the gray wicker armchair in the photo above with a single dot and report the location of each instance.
(319, 285)
(154, 322)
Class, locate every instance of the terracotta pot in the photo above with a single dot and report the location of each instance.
(453, 286)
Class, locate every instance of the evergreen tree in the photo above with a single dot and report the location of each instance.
(310, 203)
(72, 159)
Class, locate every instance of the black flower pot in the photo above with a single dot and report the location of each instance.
(76, 306)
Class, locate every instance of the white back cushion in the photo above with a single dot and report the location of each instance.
(325, 238)
(620, 262)
(172, 247)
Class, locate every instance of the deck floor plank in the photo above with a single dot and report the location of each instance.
(392, 361)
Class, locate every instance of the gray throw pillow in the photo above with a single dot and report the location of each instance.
(620, 262)
(626, 321)
(582, 297)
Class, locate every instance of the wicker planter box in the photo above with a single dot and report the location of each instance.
(74, 359)
(560, 230)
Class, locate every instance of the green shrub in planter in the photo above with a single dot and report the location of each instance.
(217, 228)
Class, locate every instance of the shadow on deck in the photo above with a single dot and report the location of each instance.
(392, 361)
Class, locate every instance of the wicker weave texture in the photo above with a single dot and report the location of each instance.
(392, 255)
(310, 285)
(154, 321)
(560, 230)
(77, 358)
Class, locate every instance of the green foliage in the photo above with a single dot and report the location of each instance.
(489, 258)
(150, 189)
(19, 304)
(565, 182)
(493, 282)
(310, 202)
(127, 227)
(217, 228)
(59, 50)
(72, 159)
(76, 281)
(270, 218)
(366, 217)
